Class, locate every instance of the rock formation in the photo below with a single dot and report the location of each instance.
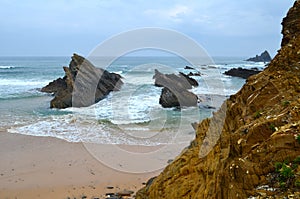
(175, 92)
(251, 146)
(263, 57)
(82, 85)
(241, 72)
(189, 68)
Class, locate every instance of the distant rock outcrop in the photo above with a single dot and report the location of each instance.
(189, 68)
(263, 57)
(175, 92)
(241, 72)
(82, 85)
(250, 148)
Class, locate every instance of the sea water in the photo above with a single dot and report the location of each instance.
(131, 116)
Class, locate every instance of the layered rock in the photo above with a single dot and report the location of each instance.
(263, 57)
(235, 152)
(175, 92)
(82, 85)
(241, 72)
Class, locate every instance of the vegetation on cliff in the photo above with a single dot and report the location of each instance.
(250, 147)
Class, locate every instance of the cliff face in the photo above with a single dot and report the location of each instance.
(236, 151)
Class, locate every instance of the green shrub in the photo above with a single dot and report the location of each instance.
(278, 166)
(286, 103)
(297, 160)
(257, 114)
(298, 138)
(272, 127)
(297, 183)
(282, 185)
(286, 172)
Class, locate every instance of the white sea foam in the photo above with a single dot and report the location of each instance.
(132, 115)
(6, 67)
(76, 130)
(20, 82)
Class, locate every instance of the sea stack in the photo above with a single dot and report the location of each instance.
(247, 148)
(263, 57)
(82, 85)
(175, 90)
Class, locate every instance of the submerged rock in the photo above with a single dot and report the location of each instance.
(263, 57)
(235, 152)
(175, 92)
(82, 85)
(241, 72)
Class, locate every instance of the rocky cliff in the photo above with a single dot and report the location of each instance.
(251, 146)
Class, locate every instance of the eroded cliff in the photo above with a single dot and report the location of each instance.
(246, 146)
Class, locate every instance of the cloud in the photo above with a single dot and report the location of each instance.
(95, 20)
(175, 13)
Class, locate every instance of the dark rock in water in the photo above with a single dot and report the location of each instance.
(82, 85)
(191, 81)
(175, 92)
(189, 68)
(241, 72)
(264, 57)
(177, 97)
(181, 80)
(194, 74)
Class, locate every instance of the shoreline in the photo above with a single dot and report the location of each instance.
(46, 167)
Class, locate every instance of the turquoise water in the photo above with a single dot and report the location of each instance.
(130, 116)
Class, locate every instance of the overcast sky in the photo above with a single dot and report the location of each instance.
(61, 27)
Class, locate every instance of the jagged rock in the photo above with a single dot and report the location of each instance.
(194, 74)
(82, 85)
(235, 151)
(189, 68)
(175, 97)
(175, 93)
(241, 72)
(263, 57)
(167, 80)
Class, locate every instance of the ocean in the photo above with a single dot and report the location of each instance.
(131, 116)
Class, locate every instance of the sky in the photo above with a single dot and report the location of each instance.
(62, 27)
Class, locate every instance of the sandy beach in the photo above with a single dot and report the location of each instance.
(45, 167)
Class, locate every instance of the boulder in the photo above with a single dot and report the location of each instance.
(241, 72)
(175, 92)
(177, 98)
(263, 57)
(82, 85)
